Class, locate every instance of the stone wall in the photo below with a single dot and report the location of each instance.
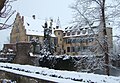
(9, 46)
(21, 78)
(22, 54)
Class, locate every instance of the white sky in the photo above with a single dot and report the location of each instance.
(45, 9)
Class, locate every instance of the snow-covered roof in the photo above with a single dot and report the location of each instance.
(77, 30)
(83, 30)
(77, 26)
(59, 29)
(33, 26)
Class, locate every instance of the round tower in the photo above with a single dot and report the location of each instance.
(59, 34)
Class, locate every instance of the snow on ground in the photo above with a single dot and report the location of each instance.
(58, 75)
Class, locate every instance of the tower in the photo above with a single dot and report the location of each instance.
(59, 34)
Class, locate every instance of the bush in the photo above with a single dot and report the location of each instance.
(63, 62)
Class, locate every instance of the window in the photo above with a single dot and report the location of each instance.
(58, 33)
(84, 40)
(73, 40)
(60, 39)
(37, 37)
(90, 31)
(80, 48)
(31, 37)
(68, 41)
(70, 27)
(87, 41)
(65, 40)
(68, 33)
(64, 51)
(73, 33)
(78, 40)
(64, 34)
(83, 31)
(84, 48)
(72, 49)
(90, 40)
(78, 32)
(77, 49)
(68, 49)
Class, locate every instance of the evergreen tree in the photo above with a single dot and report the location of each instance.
(48, 46)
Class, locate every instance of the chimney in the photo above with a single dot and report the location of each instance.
(33, 16)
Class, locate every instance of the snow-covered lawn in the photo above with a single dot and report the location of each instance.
(58, 75)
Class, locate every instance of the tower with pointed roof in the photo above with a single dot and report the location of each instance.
(59, 34)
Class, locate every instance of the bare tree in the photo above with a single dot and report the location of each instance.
(86, 12)
(5, 12)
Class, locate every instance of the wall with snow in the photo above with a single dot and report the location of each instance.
(56, 75)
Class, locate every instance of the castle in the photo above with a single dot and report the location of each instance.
(73, 40)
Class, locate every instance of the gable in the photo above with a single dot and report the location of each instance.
(18, 32)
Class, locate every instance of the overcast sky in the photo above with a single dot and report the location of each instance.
(45, 9)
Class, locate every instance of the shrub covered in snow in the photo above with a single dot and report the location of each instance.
(58, 62)
(91, 64)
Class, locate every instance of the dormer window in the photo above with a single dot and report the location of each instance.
(57, 27)
(66, 28)
(70, 27)
(68, 33)
(83, 31)
(90, 31)
(73, 33)
(64, 34)
(78, 32)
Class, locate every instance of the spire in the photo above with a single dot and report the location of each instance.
(58, 23)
